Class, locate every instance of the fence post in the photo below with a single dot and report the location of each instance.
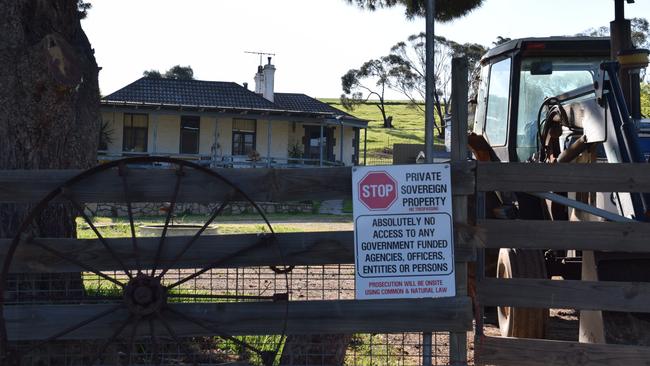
(459, 87)
(428, 129)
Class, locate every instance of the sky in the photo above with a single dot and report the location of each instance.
(314, 41)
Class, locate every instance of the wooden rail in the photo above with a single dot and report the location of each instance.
(582, 235)
(156, 185)
(582, 295)
(534, 352)
(302, 317)
(524, 177)
(312, 248)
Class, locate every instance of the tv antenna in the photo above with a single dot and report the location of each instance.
(261, 54)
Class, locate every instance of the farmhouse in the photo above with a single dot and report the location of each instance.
(225, 124)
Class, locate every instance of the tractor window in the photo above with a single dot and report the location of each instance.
(496, 121)
(560, 76)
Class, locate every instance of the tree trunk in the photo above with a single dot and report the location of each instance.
(49, 96)
(49, 110)
(388, 121)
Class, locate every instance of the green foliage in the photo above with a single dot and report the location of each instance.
(645, 99)
(177, 72)
(295, 151)
(446, 10)
(154, 74)
(105, 135)
(180, 73)
(82, 8)
(363, 350)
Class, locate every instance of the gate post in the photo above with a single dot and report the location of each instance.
(459, 91)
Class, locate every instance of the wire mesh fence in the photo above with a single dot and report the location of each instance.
(306, 283)
(134, 313)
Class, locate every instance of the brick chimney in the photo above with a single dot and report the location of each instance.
(264, 79)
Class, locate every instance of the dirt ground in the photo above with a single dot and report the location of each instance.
(563, 323)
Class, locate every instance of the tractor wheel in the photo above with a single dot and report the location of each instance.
(521, 322)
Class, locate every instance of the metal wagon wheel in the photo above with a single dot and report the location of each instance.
(135, 312)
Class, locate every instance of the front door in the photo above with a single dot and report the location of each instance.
(312, 143)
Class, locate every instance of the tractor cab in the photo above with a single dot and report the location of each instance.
(517, 77)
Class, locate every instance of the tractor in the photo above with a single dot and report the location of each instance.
(561, 100)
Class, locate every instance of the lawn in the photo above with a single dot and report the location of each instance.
(120, 227)
(408, 123)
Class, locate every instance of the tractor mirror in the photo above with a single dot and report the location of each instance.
(541, 68)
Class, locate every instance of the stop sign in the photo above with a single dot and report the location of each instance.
(377, 190)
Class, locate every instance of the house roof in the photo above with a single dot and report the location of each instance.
(303, 102)
(220, 96)
(216, 94)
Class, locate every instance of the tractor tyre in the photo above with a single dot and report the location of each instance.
(522, 322)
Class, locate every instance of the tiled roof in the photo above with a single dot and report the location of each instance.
(305, 103)
(220, 95)
(215, 94)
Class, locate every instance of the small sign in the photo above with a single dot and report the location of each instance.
(403, 231)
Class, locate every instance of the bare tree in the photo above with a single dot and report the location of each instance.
(408, 65)
(358, 89)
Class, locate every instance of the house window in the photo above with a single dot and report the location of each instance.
(189, 135)
(135, 132)
(243, 136)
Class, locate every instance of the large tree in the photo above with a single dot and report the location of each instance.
(408, 67)
(49, 99)
(49, 117)
(358, 86)
(446, 10)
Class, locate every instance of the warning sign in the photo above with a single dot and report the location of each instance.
(403, 231)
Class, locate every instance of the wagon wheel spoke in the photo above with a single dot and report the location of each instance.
(216, 212)
(110, 340)
(170, 212)
(101, 238)
(155, 357)
(131, 343)
(263, 240)
(76, 262)
(204, 324)
(122, 171)
(175, 337)
(73, 328)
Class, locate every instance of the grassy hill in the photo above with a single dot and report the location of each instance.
(408, 123)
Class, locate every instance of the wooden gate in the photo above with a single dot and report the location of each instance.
(452, 315)
(562, 294)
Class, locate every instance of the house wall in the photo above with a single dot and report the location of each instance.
(206, 135)
(224, 132)
(279, 138)
(348, 148)
(168, 136)
(166, 128)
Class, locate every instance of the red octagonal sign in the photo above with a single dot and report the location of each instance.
(377, 190)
